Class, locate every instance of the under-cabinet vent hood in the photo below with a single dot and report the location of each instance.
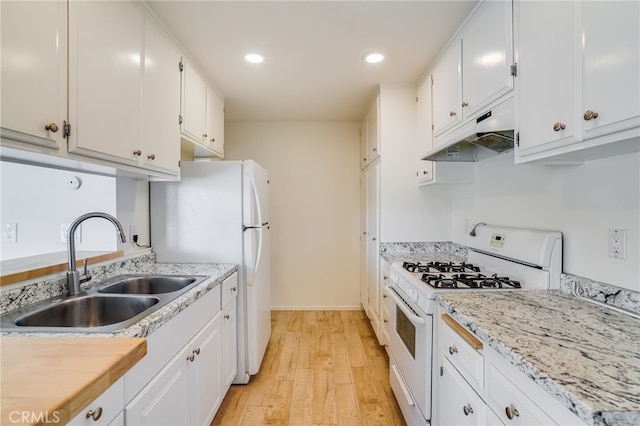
(489, 134)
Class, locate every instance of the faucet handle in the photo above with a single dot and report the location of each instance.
(85, 274)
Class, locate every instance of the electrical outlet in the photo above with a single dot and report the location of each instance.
(64, 232)
(10, 233)
(617, 242)
(132, 232)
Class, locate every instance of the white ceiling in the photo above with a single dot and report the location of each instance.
(313, 68)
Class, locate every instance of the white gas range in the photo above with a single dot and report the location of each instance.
(499, 259)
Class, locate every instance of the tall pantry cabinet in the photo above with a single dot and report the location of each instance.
(393, 207)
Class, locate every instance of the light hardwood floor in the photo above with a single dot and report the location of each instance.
(320, 368)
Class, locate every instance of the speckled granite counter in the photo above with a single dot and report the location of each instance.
(423, 252)
(591, 357)
(217, 273)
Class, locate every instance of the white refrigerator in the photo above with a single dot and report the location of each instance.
(219, 213)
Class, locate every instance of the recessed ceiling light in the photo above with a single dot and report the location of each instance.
(373, 58)
(254, 58)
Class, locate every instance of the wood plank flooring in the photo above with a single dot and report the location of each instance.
(320, 368)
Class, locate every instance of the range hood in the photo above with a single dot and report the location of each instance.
(489, 134)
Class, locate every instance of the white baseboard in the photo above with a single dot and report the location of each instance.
(317, 308)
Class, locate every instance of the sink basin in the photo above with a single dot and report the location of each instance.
(88, 311)
(149, 284)
(108, 306)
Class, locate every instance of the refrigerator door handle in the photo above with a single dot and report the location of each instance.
(251, 280)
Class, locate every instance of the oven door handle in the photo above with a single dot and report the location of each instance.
(391, 291)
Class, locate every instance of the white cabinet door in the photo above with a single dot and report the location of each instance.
(424, 133)
(447, 89)
(34, 77)
(105, 55)
(373, 134)
(373, 257)
(161, 94)
(545, 113)
(363, 241)
(487, 55)
(363, 144)
(611, 66)
(459, 404)
(215, 123)
(166, 400)
(193, 104)
(206, 372)
(229, 345)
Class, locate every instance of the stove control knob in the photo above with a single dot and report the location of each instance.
(413, 295)
(394, 278)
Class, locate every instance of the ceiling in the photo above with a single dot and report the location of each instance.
(313, 68)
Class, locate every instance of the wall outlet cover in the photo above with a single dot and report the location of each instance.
(617, 243)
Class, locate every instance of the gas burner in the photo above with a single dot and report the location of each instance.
(453, 267)
(482, 281)
(440, 281)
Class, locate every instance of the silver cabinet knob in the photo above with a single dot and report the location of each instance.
(511, 412)
(465, 104)
(234, 289)
(196, 351)
(137, 153)
(385, 321)
(151, 156)
(204, 135)
(212, 139)
(374, 239)
(558, 126)
(424, 172)
(452, 113)
(467, 409)
(453, 350)
(191, 357)
(51, 127)
(589, 115)
(94, 414)
(227, 316)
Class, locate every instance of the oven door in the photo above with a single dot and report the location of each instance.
(410, 341)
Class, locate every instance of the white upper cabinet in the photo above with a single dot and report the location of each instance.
(193, 105)
(545, 108)
(201, 113)
(160, 97)
(447, 89)
(123, 89)
(475, 69)
(487, 56)
(611, 67)
(215, 123)
(34, 73)
(370, 135)
(578, 90)
(424, 135)
(105, 69)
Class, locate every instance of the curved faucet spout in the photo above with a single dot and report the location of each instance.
(73, 276)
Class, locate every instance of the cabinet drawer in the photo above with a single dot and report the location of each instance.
(511, 405)
(229, 289)
(464, 357)
(104, 408)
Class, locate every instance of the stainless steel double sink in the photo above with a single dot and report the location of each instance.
(113, 305)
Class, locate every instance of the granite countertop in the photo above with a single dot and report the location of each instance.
(216, 274)
(591, 356)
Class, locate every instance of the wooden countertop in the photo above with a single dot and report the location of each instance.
(61, 374)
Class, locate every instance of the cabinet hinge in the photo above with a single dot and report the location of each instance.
(518, 139)
(181, 66)
(514, 70)
(416, 99)
(180, 120)
(66, 129)
(433, 127)
(441, 371)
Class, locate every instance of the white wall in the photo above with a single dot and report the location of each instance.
(133, 210)
(582, 202)
(39, 200)
(407, 212)
(314, 208)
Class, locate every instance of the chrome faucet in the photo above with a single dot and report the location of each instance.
(73, 276)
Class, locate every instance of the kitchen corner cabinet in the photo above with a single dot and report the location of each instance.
(122, 88)
(578, 90)
(474, 385)
(201, 113)
(429, 172)
(34, 74)
(385, 305)
(475, 69)
(370, 134)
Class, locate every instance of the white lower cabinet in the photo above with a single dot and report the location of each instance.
(105, 409)
(474, 384)
(460, 404)
(186, 388)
